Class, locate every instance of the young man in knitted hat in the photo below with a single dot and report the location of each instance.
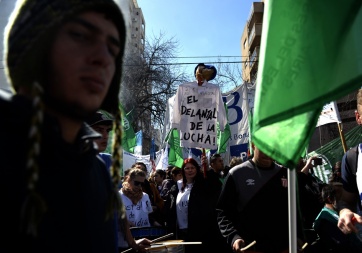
(63, 59)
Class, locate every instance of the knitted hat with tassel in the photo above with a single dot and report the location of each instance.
(28, 36)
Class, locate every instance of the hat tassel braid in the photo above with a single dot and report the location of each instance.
(34, 206)
(115, 202)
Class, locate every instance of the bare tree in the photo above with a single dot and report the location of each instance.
(149, 81)
(228, 76)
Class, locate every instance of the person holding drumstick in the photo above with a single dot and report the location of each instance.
(189, 210)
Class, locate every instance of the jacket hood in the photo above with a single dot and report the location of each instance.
(29, 34)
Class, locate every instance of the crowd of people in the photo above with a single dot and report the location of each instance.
(60, 191)
(246, 206)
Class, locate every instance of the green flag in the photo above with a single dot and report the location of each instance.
(175, 154)
(128, 134)
(310, 54)
(223, 137)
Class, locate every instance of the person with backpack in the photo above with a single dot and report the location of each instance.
(350, 202)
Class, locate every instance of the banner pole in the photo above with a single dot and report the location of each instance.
(204, 165)
(342, 137)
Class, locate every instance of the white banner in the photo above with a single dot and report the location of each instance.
(168, 117)
(163, 161)
(329, 114)
(239, 103)
(129, 159)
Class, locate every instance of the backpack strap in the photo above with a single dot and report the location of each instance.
(246, 193)
(352, 159)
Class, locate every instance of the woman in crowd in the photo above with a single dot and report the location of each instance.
(190, 213)
(137, 203)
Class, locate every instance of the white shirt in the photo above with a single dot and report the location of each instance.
(137, 214)
(182, 203)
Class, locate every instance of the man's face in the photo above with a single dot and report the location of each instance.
(104, 131)
(158, 179)
(358, 114)
(261, 159)
(218, 164)
(82, 62)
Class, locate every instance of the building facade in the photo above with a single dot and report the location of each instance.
(250, 47)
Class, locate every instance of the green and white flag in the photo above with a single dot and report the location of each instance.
(310, 54)
(128, 134)
(223, 137)
(175, 153)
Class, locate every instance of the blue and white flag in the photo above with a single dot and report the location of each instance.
(138, 148)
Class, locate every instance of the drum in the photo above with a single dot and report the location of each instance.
(167, 247)
(148, 232)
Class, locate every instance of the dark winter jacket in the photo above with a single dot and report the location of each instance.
(73, 183)
(201, 216)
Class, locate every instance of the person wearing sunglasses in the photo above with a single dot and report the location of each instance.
(136, 202)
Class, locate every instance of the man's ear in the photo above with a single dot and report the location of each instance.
(358, 117)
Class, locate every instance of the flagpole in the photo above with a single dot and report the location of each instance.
(292, 207)
(342, 137)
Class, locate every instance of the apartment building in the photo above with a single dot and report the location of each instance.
(250, 46)
(135, 26)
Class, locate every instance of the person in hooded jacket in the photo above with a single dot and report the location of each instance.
(63, 60)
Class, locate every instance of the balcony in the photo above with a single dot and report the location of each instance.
(254, 58)
(256, 13)
(254, 36)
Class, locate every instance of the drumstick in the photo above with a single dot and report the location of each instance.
(251, 244)
(161, 238)
(154, 240)
(177, 243)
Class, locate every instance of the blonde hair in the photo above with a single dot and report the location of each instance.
(134, 172)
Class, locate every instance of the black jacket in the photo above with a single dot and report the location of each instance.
(73, 183)
(253, 205)
(201, 216)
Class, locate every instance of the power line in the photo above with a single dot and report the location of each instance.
(220, 56)
(185, 63)
(189, 57)
(188, 63)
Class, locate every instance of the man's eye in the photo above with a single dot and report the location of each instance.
(113, 50)
(77, 35)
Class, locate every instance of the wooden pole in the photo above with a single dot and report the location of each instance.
(204, 165)
(342, 138)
